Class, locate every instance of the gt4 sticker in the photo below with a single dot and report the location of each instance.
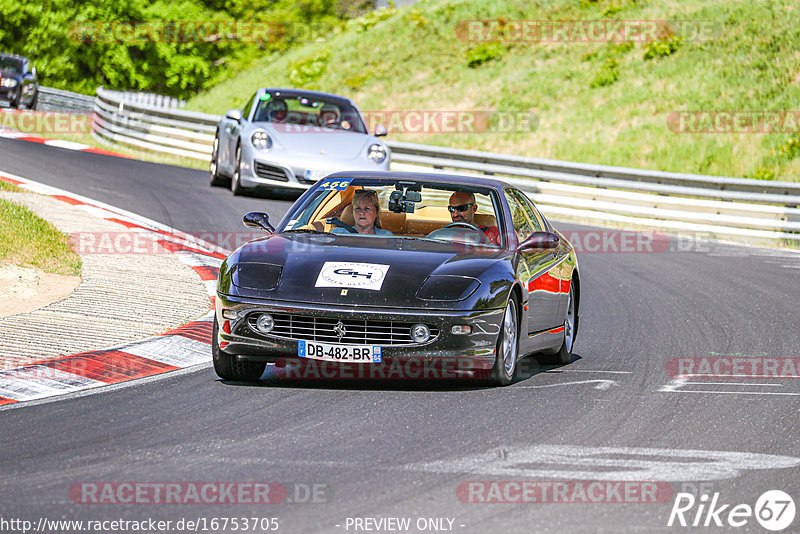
(336, 185)
(352, 275)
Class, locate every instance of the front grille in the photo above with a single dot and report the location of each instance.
(358, 332)
(270, 172)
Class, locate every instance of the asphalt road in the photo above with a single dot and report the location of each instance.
(405, 450)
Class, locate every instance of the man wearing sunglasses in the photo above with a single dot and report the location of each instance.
(463, 207)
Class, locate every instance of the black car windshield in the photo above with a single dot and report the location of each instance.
(304, 112)
(400, 209)
(10, 64)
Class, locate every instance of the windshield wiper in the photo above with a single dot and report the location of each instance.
(307, 231)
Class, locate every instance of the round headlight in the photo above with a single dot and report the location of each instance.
(261, 140)
(9, 82)
(376, 153)
(265, 323)
(420, 333)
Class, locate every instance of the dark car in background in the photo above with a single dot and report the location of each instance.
(19, 84)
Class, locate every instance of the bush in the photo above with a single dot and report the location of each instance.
(608, 73)
(483, 53)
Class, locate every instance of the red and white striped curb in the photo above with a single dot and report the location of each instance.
(59, 143)
(182, 347)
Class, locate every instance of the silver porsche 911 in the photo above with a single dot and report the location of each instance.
(288, 138)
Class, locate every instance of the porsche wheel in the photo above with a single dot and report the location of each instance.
(215, 178)
(236, 179)
(229, 367)
(505, 364)
(564, 354)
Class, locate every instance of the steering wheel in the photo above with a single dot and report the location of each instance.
(336, 222)
(460, 224)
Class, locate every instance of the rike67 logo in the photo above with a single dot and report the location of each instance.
(774, 510)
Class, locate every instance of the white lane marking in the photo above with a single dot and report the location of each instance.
(715, 392)
(601, 384)
(173, 350)
(589, 371)
(608, 463)
(106, 388)
(678, 385)
(38, 381)
(738, 384)
(69, 145)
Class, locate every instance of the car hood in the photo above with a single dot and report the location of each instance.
(308, 265)
(310, 141)
(10, 74)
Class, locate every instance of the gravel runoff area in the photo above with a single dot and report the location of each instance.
(121, 297)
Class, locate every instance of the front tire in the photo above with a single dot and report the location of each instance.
(236, 179)
(215, 179)
(229, 367)
(507, 351)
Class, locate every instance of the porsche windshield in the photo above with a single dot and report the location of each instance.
(391, 208)
(308, 111)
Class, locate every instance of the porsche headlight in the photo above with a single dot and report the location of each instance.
(261, 140)
(376, 153)
(9, 82)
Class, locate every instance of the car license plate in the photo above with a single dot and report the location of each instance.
(316, 175)
(330, 352)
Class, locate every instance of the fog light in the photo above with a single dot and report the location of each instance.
(265, 323)
(420, 333)
(229, 314)
(461, 329)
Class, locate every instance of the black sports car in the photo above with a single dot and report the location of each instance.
(370, 268)
(18, 82)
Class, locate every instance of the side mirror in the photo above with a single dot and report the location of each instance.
(540, 241)
(234, 115)
(380, 131)
(256, 219)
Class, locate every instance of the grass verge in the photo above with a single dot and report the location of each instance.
(29, 241)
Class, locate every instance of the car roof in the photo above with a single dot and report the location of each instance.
(303, 92)
(450, 179)
(13, 56)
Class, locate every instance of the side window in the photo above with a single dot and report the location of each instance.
(533, 213)
(519, 217)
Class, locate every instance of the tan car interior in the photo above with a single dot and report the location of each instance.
(418, 224)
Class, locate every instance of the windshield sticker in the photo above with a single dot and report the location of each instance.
(353, 275)
(339, 184)
(290, 224)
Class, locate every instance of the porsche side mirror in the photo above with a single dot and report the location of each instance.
(256, 219)
(234, 115)
(540, 241)
(380, 131)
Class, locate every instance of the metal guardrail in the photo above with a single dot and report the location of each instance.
(753, 211)
(57, 100)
